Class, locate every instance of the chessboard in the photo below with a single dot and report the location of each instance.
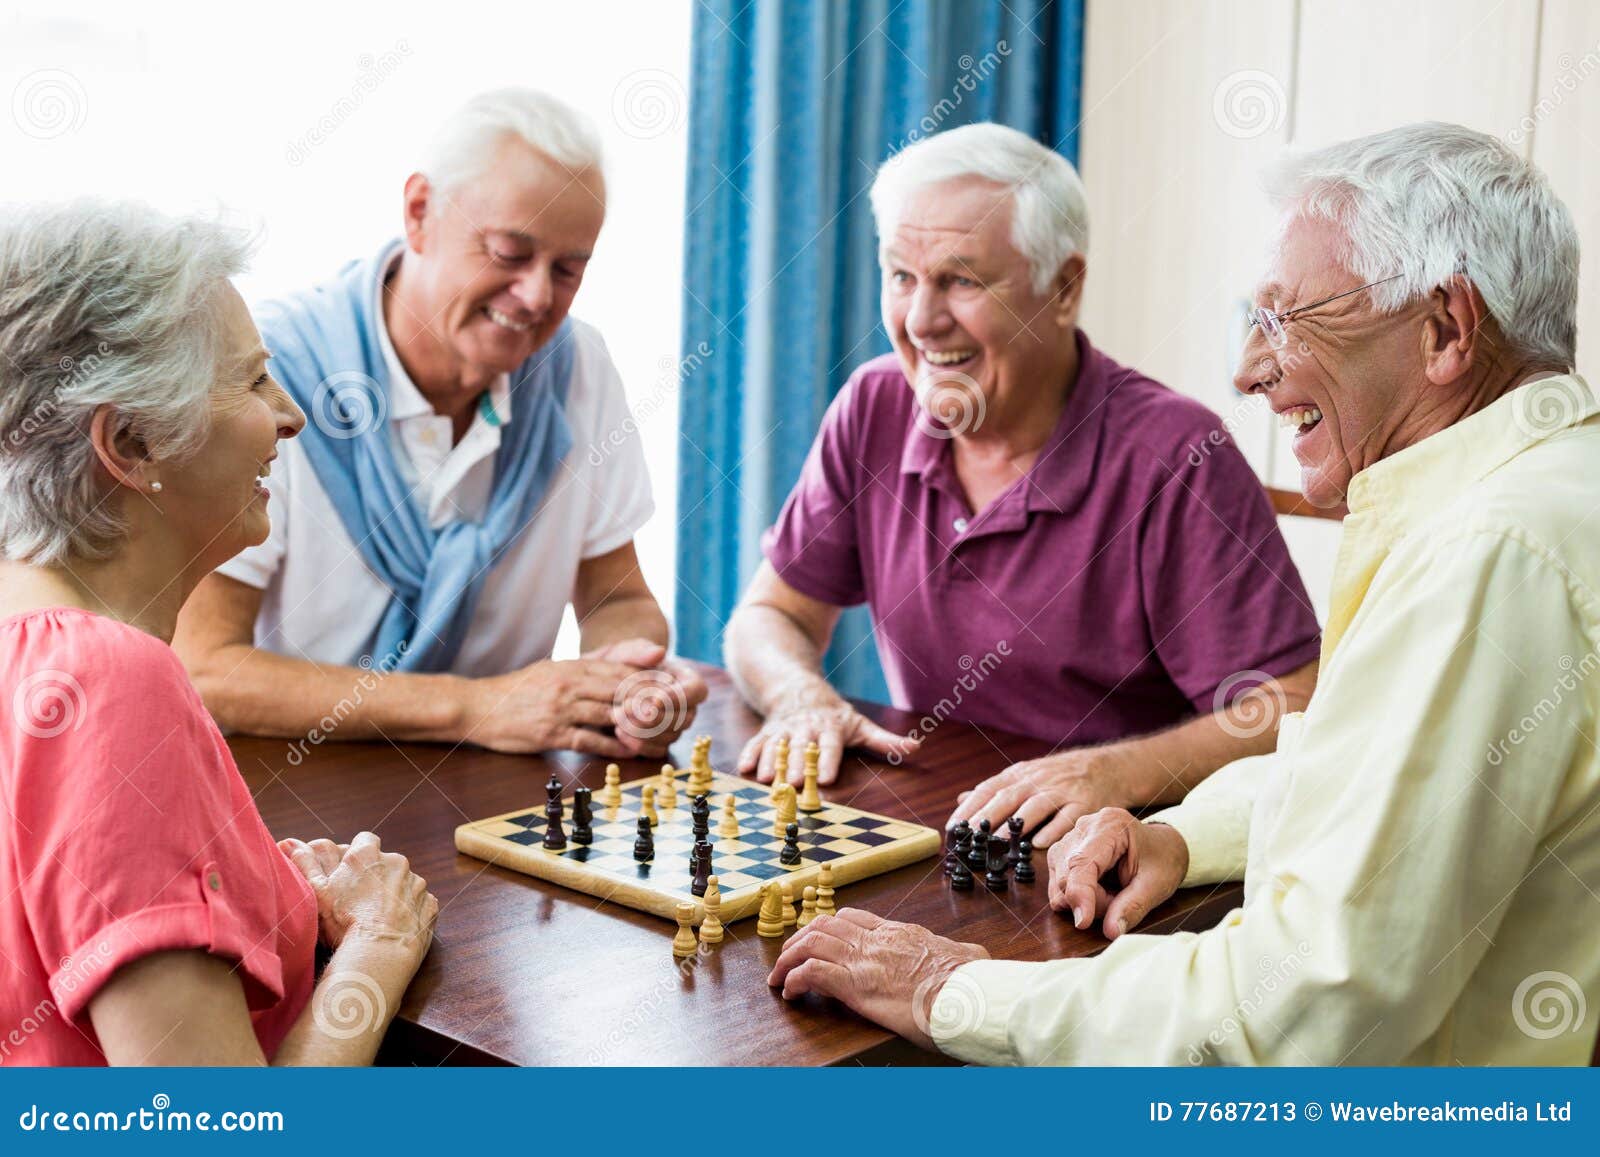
(857, 844)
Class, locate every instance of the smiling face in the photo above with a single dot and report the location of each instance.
(1350, 380)
(493, 264)
(959, 304)
(215, 498)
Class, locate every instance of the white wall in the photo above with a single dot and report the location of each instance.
(304, 118)
(1185, 102)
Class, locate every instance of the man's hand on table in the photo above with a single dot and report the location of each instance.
(1067, 785)
(622, 701)
(888, 972)
(1150, 860)
(816, 713)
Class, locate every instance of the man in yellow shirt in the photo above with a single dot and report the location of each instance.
(1421, 854)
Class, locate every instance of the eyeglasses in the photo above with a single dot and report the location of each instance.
(1271, 324)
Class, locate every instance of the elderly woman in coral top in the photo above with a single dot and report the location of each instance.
(152, 919)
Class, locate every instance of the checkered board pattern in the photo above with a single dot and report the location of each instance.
(857, 844)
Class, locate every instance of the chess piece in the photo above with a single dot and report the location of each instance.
(962, 831)
(769, 922)
(728, 829)
(582, 816)
(667, 794)
(978, 855)
(996, 878)
(780, 766)
(700, 809)
(555, 839)
(825, 890)
(683, 944)
(810, 798)
(644, 846)
(611, 794)
(791, 845)
(1024, 872)
(711, 926)
(1014, 825)
(701, 868)
(960, 874)
(808, 907)
(647, 804)
(789, 914)
(786, 809)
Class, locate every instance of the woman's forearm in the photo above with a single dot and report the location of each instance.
(350, 1010)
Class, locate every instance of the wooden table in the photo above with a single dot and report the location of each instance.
(523, 972)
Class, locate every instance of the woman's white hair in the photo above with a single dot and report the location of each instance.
(464, 144)
(1049, 209)
(1428, 202)
(101, 304)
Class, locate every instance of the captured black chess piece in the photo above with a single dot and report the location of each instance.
(701, 875)
(582, 817)
(555, 839)
(791, 845)
(996, 877)
(1024, 872)
(978, 854)
(645, 846)
(953, 847)
(960, 873)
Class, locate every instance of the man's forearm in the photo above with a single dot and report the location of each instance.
(1162, 768)
(770, 657)
(257, 692)
(634, 617)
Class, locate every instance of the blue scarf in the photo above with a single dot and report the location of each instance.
(327, 354)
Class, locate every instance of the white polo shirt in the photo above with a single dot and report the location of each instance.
(322, 602)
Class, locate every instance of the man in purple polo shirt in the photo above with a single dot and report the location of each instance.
(1049, 543)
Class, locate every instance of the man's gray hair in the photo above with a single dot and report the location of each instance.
(1428, 202)
(1049, 209)
(462, 147)
(101, 304)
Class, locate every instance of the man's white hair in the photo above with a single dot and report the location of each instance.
(464, 144)
(1049, 209)
(101, 304)
(1428, 202)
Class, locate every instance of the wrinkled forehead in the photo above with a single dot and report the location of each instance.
(523, 190)
(965, 219)
(1302, 252)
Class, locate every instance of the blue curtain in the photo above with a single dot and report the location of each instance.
(793, 106)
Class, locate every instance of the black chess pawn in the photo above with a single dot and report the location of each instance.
(701, 874)
(554, 838)
(978, 854)
(1015, 826)
(644, 847)
(1024, 872)
(582, 817)
(961, 875)
(791, 845)
(954, 838)
(996, 878)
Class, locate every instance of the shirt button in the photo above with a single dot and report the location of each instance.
(961, 525)
(215, 882)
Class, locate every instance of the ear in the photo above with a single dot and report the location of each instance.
(1066, 291)
(121, 453)
(418, 196)
(1454, 332)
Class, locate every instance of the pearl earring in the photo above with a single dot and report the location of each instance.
(155, 487)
